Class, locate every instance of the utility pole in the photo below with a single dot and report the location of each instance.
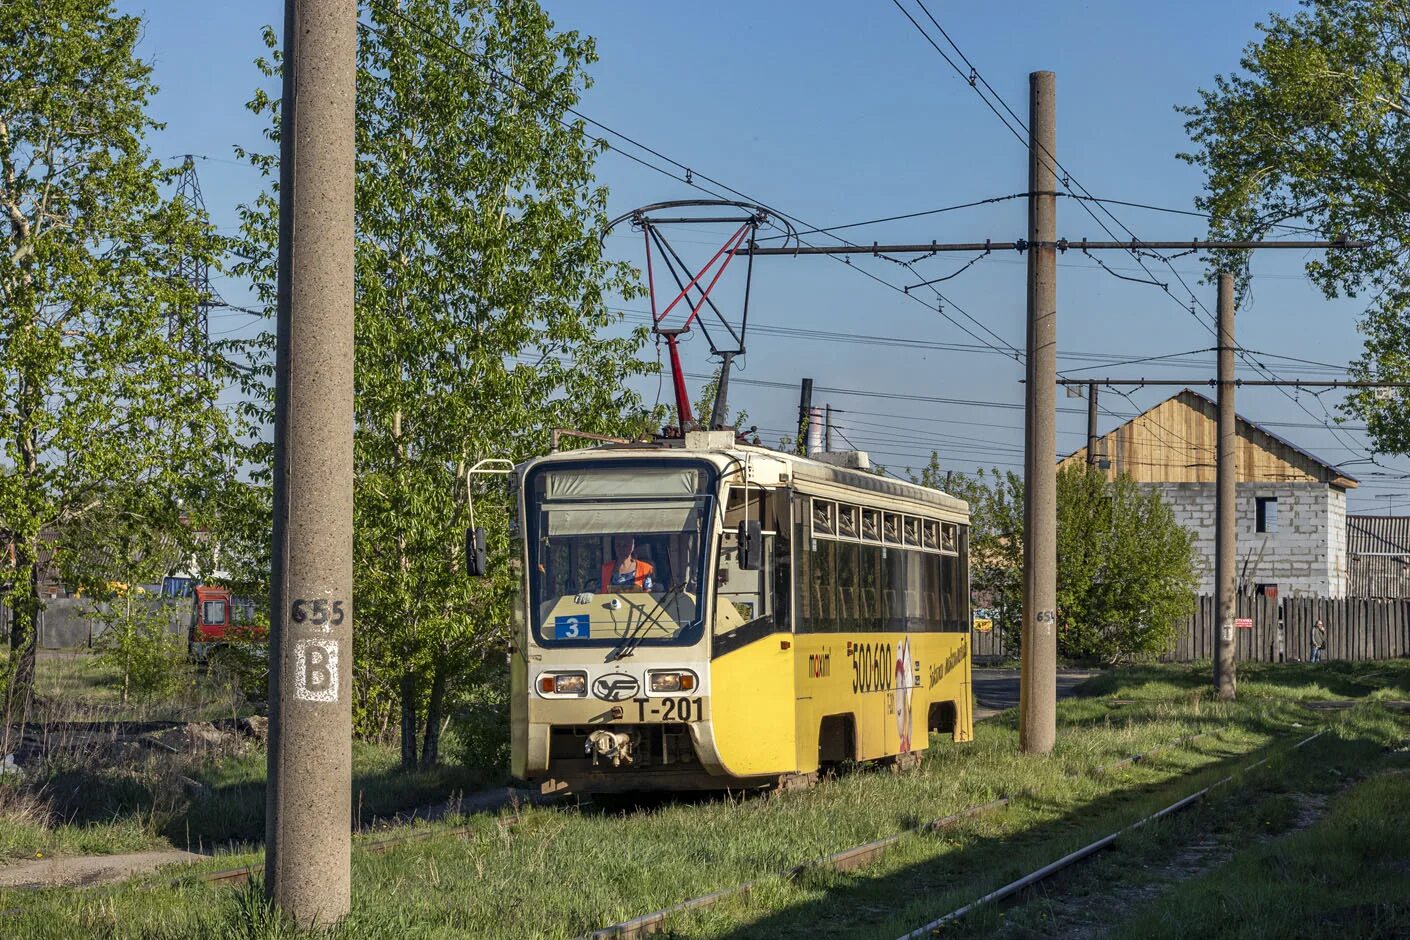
(1225, 496)
(805, 410)
(1038, 680)
(307, 835)
(1091, 424)
(1037, 702)
(827, 429)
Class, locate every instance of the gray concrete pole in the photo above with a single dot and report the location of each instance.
(1037, 725)
(1226, 492)
(805, 411)
(1091, 424)
(307, 831)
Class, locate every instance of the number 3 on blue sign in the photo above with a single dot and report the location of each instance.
(571, 628)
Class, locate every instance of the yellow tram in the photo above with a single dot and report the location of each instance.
(703, 614)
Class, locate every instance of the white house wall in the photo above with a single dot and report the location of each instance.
(1306, 556)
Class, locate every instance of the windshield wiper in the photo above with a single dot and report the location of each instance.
(638, 633)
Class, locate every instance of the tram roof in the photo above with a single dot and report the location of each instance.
(801, 469)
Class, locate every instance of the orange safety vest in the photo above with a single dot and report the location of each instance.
(643, 571)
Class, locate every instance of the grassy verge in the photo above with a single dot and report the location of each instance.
(103, 777)
(561, 872)
(191, 801)
(1347, 876)
(79, 685)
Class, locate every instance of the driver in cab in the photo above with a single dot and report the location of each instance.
(626, 572)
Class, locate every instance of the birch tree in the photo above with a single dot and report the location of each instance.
(481, 323)
(104, 376)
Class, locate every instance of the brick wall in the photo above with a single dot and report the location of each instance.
(1306, 556)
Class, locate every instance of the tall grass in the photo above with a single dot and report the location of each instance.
(561, 872)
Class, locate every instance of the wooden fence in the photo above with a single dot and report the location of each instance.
(1357, 628)
(1280, 630)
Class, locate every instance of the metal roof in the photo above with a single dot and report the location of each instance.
(1189, 393)
(1378, 534)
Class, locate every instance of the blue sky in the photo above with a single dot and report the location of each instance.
(838, 112)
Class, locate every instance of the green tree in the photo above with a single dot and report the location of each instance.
(481, 298)
(705, 406)
(1315, 130)
(103, 373)
(995, 538)
(1126, 568)
(150, 660)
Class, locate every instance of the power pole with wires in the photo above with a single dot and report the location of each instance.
(1226, 475)
(307, 837)
(1038, 681)
(1091, 424)
(1037, 695)
(1226, 492)
(805, 410)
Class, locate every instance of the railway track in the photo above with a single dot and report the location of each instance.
(1086, 851)
(847, 860)
(856, 857)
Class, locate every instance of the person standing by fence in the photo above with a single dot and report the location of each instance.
(1319, 642)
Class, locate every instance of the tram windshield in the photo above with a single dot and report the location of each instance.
(616, 551)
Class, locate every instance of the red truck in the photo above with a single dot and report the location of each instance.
(217, 620)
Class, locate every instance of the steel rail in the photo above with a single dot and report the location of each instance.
(845, 860)
(1032, 878)
(848, 859)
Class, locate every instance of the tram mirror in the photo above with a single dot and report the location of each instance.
(476, 560)
(751, 545)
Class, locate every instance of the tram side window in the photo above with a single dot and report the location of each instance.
(763, 594)
(822, 589)
(855, 586)
(869, 576)
(848, 587)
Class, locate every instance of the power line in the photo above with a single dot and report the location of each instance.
(1069, 181)
(691, 177)
(909, 215)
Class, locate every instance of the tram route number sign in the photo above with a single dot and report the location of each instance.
(1243, 623)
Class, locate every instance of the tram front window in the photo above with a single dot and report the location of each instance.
(616, 551)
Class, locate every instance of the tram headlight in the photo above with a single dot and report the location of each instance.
(674, 680)
(563, 683)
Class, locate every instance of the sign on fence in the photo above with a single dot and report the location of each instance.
(1243, 623)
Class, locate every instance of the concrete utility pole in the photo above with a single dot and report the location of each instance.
(1037, 703)
(1091, 424)
(308, 837)
(827, 429)
(805, 411)
(1226, 494)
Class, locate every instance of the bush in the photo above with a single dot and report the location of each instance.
(149, 659)
(242, 667)
(481, 725)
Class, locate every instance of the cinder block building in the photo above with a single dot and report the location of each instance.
(1291, 507)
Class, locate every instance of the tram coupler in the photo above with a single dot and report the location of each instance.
(616, 746)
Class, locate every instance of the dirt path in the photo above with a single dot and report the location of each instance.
(83, 870)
